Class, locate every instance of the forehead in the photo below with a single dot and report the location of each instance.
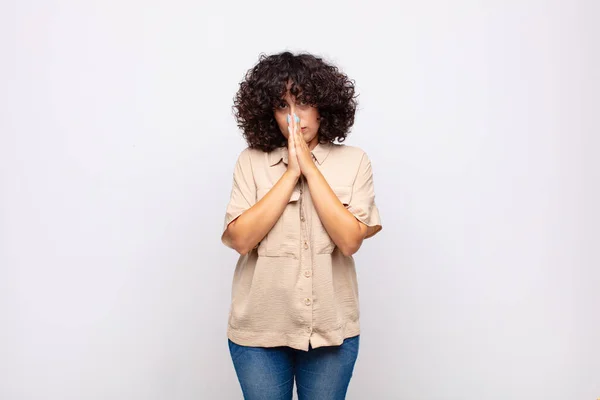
(288, 96)
(288, 91)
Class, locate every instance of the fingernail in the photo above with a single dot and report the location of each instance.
(297, 118)
(288, 118)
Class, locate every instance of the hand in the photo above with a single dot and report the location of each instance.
(293, 166)
(301, 150)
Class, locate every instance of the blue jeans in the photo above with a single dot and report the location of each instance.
(321, 374)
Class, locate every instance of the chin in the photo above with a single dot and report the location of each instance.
(308, 136)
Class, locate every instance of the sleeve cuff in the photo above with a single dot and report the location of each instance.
(368, 217)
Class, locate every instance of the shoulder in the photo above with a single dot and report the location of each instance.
(249, 152)
(255, 161)
(349, 154)
(251, 156)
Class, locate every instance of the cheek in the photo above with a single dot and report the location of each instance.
(315, 117)
(282, 123)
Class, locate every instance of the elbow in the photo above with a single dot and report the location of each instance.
(346, 252)
(243, 250)
(236, 242)
(350, 248)
(352, 243)
(241, 247)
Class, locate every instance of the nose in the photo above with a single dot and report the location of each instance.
(298, 112)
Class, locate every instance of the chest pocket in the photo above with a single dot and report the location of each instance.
(322, 241)
(283, 240)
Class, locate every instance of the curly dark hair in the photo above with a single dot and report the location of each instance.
(314, 81)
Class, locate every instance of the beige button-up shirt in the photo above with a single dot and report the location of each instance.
(296, 287)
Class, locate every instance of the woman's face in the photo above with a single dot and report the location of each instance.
(309, 119)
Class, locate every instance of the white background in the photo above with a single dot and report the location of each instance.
(117, 149)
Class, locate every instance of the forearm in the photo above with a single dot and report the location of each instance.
(252, 226)
(341, 225)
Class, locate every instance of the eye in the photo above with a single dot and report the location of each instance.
(282, 106)
(304, 102)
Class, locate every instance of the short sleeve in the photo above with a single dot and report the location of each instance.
(243, 192)
(362, 203)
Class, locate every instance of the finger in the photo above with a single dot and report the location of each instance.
(292, 138)
(297, 139)
(293, 148)
(298, 136)
(293, 113)
(298, 125)
(293, 116)
(291, 124)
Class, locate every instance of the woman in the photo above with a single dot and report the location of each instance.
(300, 208)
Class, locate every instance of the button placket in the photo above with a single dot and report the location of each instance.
(305, 261)
(303, 229)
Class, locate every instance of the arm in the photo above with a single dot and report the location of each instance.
(345, 230)
(252, 225)
(249, 222)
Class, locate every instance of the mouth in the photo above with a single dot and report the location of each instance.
(304, 128)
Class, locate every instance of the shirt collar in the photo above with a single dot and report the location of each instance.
(320, 153)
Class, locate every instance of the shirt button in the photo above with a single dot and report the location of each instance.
(305, 245)
(307, 274)
(308, 329)
(308, 302)
(302, 218)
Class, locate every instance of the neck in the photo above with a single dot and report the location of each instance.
(313, 143)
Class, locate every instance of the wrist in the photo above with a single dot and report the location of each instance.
(311, 172)
(291, 175)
